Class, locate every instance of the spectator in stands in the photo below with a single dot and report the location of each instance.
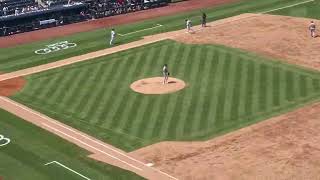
(24, 10)
(5, 11)
(16, 12)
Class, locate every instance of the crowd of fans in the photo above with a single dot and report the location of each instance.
(18, 16)
(16, 7)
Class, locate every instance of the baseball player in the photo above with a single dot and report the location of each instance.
(188, 25)
(113, 36)
(312, 28)
(204, 20)
(165, 73)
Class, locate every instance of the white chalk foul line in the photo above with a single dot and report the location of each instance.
(60, 164)
(157, 26)
(65, 134)
(292, 5)
(97, 142)
(112, 149)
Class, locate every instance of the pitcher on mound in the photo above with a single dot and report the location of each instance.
(165, 73)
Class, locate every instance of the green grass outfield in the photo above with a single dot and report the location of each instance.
(23, 56)
(227, 89)
(308, 10)
(31, 147)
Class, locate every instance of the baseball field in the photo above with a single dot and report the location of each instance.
(251, 99)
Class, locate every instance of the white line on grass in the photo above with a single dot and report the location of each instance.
(112, 149)
(61, 125)
(56, 162)
(157, 26)
(91, 146)
(292, 5)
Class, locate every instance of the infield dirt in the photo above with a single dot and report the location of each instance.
(284, 147)
(155, 85)
(11, 86)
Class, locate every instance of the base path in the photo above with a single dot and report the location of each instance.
(104, 52)
(100, 150)
(173, 8)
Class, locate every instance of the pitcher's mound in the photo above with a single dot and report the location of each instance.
(155, 85)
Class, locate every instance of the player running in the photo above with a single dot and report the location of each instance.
(165, 73)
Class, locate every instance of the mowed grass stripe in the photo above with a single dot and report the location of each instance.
(102, 75)
(112, 94)
(125, 107)
(65, 86)
(215, 86)
(316, 84)
(283, 88)
(178, 68)
(196, 76)
(207, 80)
(269, 88)
(296, 88)
(220, 116)
(76, 90)
(141, 101)
(162, 121)
(276, 86)
(155, 115)
(255, 88)
(231, 86)
(121, 99)
(144, 116)
(138, 117)
(289, 86)
(111, 72)
(146, 128)
(36, 88)
(263, 88)
(235, 103)
(202, 80)
(303, 82)
(177, 107)
(49, 91)
(243, 90)
(249, 88)
(79, 99)
(184, 104)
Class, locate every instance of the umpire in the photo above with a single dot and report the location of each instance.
(204, 20)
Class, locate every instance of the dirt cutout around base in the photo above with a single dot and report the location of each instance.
(283, 147)
(155, 85)
(11, 86)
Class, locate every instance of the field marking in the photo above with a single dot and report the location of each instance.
(296, 4)
(2, 138)
(81, 134)
(60, 164)
(112, 149)
(91, 146)
(157, 26)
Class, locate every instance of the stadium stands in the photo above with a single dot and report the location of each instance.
(18, 16)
